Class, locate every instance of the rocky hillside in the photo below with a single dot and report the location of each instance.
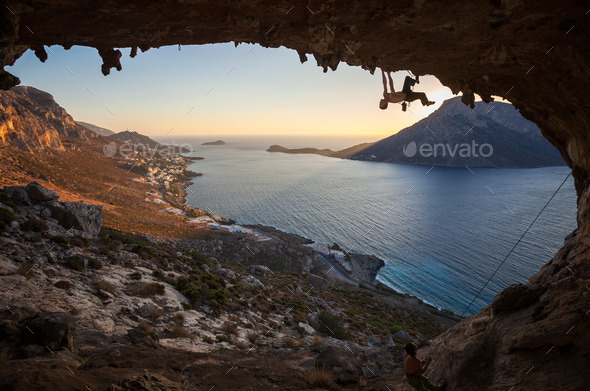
(30, 119)
(96, 129)
(454, 134)
(135, 138)
(91, 307)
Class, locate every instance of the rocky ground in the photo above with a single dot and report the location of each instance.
(88, 306)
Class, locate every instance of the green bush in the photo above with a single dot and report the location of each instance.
(61, 241)
(135, 276)
(80, 241)
(197, 256)
(146, 289)
(6, 217)
(331, 325)
(223, 338)
(95, 263)
(6, 200)
(189, 290)
(75, 262)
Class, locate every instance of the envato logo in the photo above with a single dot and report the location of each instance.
(127, 150)
(443, 150)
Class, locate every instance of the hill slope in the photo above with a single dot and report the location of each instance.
(459, 133)
(96, 129)
(30, 119)
(135, 138)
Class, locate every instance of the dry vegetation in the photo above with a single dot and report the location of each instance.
(106, 286)
(320, 377)
(178, 330)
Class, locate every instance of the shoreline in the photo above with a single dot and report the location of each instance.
(376, 283)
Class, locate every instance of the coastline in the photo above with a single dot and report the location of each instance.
(375, 283)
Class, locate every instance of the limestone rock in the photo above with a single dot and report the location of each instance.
(38, 193)
(307, 329)
(259, 270)
(342, 363)
(83, 217)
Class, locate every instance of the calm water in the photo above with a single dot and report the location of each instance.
(441, 232)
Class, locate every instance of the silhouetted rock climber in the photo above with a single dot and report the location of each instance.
(405, 95)
(415, 369)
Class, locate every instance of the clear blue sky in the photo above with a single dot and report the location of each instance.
(221, 90)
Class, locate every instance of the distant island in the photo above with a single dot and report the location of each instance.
(490, 135)
(218, 142)
(344, 153)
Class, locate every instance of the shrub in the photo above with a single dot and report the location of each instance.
(95, 263)
(75, 262)
(156, 313)
(6, 200)
(146, 289)
(135, 276)
(6, 217)
(61, 241)
(253, 337)
(189, 290)
(316, 340)
(79, 241)
(293, 343)
(331, 325)
(197, 256)
(223, 338)
(208, 340)
(106, 286)
(230, 327)
(320, 377)
(63, 284)
(178, 330)
(34, 225)
(148, 329)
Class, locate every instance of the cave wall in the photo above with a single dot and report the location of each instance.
(531, 53)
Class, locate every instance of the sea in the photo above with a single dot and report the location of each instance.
(454, 237)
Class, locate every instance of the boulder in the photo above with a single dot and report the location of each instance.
(38, 193)
(254, 281)
(373, 342)
(401, 335)
(82, 217)
(147, 309)
(18, 195)
(307, 329)
(53, 330)
(313, 321)
(259, 270)
(342, 363)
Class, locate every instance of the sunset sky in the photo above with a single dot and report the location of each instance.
(222, 90)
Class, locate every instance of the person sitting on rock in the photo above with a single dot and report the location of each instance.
(405, 95)
(415, 369)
